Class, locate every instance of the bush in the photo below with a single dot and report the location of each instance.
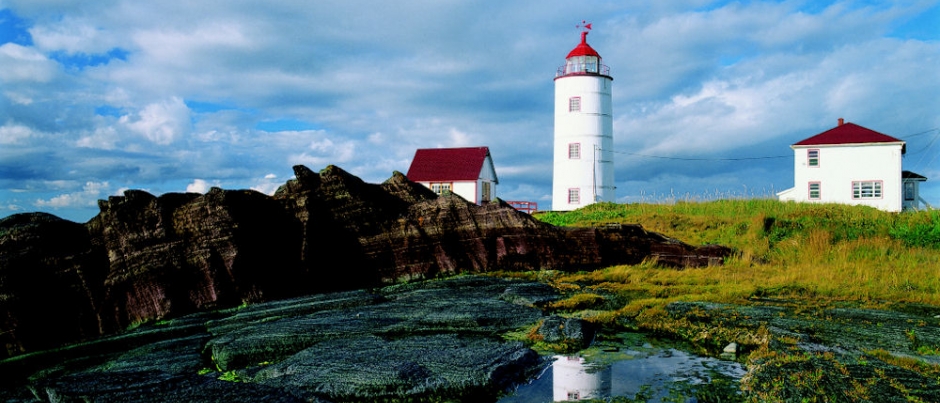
(923, 233)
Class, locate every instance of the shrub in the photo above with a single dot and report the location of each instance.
(923, 232)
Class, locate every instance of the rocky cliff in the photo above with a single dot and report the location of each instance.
(145, 257)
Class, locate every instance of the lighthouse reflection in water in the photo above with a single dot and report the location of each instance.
(573, 379)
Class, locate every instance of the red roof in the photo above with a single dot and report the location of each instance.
(583, 49)
(848, 133)
(448, 164)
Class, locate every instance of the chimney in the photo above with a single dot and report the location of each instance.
(841, 121)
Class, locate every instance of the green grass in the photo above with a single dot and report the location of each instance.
(815, 252)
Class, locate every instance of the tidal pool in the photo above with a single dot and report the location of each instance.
(643, 374)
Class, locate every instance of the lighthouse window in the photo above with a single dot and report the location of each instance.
(574, 151)
(574, 104)
(590, 64)
(574, 196)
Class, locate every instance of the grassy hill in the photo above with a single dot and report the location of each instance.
(816, 253)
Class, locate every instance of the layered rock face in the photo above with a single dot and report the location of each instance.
(51, 283)
(145, 257)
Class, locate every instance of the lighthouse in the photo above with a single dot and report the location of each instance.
(583, 171)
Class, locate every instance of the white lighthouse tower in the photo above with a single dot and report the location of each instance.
(584, 130)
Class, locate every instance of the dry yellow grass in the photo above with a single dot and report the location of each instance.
(813, 253)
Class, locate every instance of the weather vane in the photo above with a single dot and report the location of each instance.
(584, 26)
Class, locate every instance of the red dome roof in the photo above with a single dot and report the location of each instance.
(583, 49)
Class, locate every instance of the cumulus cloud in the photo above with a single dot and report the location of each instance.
(87, 197)
(14, 134)
(198, 186)
(162, 122)
(24, 64)
(267, 185)
(195, 85)
(324, 151)
(72, 35)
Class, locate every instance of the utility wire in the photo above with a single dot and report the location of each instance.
(700, 159)
(748, 158)
(937, 129)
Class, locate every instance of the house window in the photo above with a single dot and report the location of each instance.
(814, 190)
(574, 104)
(442, 188)
(574, 196)
(574, 151)
(909, 191)
(866, 190)
(812, 158)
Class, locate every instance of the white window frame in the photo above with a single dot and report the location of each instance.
(574, 104)
(574, 151)
(812, 161)
(442, 188)
(867, 190)
(818, 191)
(574, 195)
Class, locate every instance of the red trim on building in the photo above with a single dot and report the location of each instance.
(848, 133)
(447, 164)
(583, 49)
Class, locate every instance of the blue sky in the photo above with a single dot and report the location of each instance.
(100, 97)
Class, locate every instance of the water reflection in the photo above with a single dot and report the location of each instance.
(648, 374)
(573, 379)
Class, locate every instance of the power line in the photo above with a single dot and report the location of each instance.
(701, 159)
(936, 129)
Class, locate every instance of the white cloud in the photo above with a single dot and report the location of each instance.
(198, 186)
(24, 64)
(72, 36)
(14, 134)
(87, 197)
(324, 151)
(267, 185)
(691, 78)
(161, 123)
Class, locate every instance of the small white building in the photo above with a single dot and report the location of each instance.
(583, 170)
(467, 172)
(851, 164)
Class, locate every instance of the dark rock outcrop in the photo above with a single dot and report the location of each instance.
(572, 333)
(179, 253)
(145, 257)
(426, 341)
(51, 283)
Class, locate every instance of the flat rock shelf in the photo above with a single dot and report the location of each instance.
(437, 340)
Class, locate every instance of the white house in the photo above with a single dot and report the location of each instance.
(583, 170)
(851, 164)
(467, 172)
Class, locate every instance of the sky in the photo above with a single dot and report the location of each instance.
(179, 95)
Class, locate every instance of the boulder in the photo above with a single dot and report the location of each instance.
(569, 333)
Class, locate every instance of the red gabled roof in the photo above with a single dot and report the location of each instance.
(448, 164)
(583, 49)
(848, 133)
